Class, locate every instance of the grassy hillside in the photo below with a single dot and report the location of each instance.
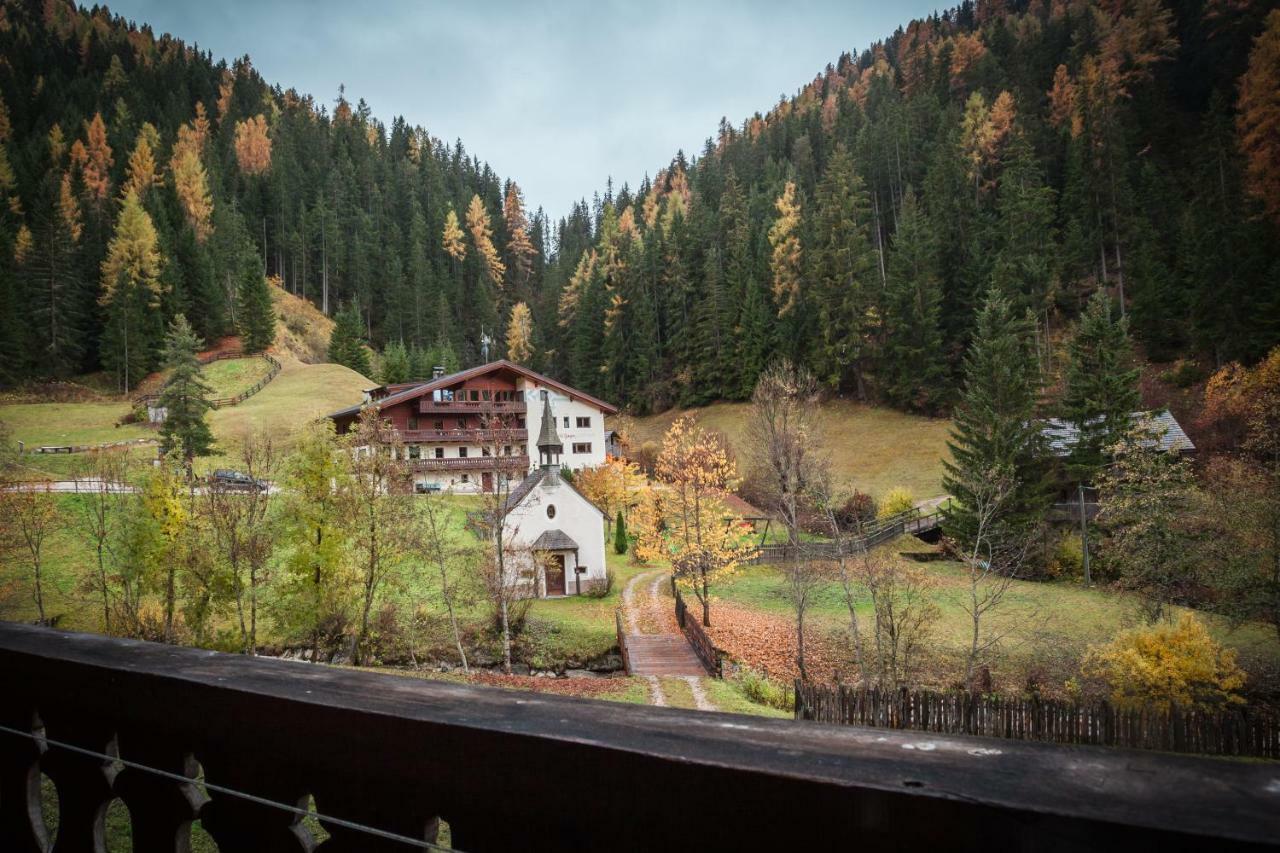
(871, 449)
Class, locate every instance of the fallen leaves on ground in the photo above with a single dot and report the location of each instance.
(767, 643)
(581, 687)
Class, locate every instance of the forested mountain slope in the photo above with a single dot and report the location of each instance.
(1044, 149)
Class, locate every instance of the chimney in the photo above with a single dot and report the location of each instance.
(437, 371)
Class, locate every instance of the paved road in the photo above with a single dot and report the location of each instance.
(91, 486)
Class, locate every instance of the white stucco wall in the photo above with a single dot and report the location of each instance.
(574, 515)
(564, 407)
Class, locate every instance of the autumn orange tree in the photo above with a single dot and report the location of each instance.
(1258, 119)
(614, 485)
(520, 334)
(705, 541)
(784, 239)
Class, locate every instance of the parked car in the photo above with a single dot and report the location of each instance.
(236, 481)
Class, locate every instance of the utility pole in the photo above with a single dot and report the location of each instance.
(1084, 538)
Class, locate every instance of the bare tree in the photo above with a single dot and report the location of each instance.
(441, 553)
(993, 559)
(240, 521)
(33, 517)
(511, 573)
(382, 512)
(904, 614)
(845, 553)
(784, 439)
(99, 517)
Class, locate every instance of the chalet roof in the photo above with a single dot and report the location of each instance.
(1167, 433)
(529, 483)
(554, 540)
(418, 389)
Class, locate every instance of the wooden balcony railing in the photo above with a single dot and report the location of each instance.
(520, 771)
(497, 407)
(474, 436)
(472, 463)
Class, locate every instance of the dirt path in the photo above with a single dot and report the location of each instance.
(655, 644)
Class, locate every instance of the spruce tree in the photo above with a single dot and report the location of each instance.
(1102, 386)
(996, 437)
(913, 368)
(255, 313)
(396, 365)
(347, 344)
(185, 395)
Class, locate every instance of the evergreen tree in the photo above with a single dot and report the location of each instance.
(347, 344)
(1102, 386)
(620, 535)
(396, 365)
(255, 314)
(913, 369)
(185, 395)
(996, 436)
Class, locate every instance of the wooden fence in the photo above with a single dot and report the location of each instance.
(1232, 732)
(877, 532)
(697, 635)
(223, 402)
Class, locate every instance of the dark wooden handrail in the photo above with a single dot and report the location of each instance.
(697, 636)
(505, 769)
(622, 640)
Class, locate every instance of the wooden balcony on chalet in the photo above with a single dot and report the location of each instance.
(428, 406)
(244, 744)
(464, 436)
(472, 463)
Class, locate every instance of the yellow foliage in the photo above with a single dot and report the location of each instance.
(93, 158)
(192, 185)
(482, 239)
(253, 145)
(785, 241)
(133, 256)
(69, 209)
(141, 173)
(1167, 664)
(897, 501)
(1258, 119)
(23, 244)
(520, 334)
(452, 238)
(617, 484)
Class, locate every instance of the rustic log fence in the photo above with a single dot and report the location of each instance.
(1239, 732)
(697, 635)
(223, 402)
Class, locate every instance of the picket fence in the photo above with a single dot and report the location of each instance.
(1242, 732)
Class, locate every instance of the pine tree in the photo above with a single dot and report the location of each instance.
(347, 344)
(185, 396)
(1102, 386)
(996, 437)
(255, 314)
(396, 365)
(913, 369)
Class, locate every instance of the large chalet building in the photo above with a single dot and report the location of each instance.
(461, 429)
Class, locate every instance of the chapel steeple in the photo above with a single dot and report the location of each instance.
(549, 446)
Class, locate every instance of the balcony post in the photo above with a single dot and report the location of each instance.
(21, 825)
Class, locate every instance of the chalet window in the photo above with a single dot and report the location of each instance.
(584, 423)
(551, 510)
(582, 447)
(484, 451)
(466, 478)
(438, 425)
(506, 451)
(462, 423)
(413, 421)
(462, 453)
(475, 396)
(484, 395)
(542, 394)
(415, 452)
(566, 421)
(439, 452)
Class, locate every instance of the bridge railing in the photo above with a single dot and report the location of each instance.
(248, 746)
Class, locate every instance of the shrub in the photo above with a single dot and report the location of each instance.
(602, 588)
(1169, 663)
(620, 535)
(763, 691)
(858, 509)
(1183, 373)
(1066, 560)
(897, 501)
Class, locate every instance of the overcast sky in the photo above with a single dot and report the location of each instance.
(557, 95)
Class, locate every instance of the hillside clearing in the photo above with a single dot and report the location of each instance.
(231, 376)
(872, 449)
